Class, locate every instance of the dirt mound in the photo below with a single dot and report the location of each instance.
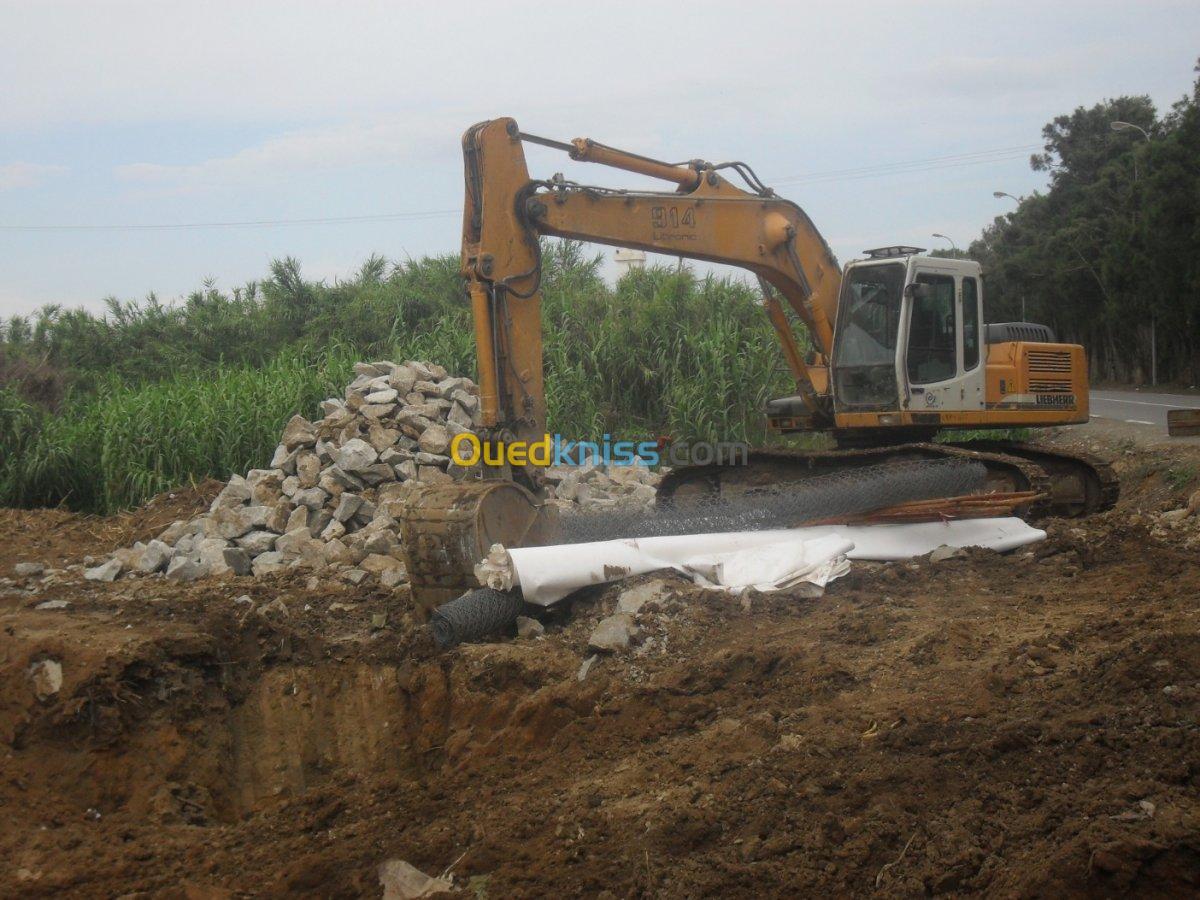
(1018, 724)
(58, 537)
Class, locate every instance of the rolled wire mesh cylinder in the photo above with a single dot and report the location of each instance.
(820, 497)
(474, 615)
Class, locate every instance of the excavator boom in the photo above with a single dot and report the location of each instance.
(706, 218)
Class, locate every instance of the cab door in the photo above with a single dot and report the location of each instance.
(971, 362)
(942, 359)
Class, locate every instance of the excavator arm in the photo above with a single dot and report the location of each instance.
(707, 217)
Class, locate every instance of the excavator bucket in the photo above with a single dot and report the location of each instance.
(448, 528)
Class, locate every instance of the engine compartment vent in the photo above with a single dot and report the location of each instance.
(1049, 362)
(1029, 332)
(1050, 387)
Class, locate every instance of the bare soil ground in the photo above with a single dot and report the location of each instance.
(1020, 725)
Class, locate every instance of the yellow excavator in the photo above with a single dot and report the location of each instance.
(900, 348)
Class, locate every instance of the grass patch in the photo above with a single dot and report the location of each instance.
(963, 435)
(157, 396)
(1181, 476)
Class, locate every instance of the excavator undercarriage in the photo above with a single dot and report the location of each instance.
(449, 528)
(1070, 484)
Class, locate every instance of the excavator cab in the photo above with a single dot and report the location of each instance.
(911, 354)
(908, 334)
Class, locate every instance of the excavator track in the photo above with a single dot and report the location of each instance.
(1083, 483)
(1072, 484)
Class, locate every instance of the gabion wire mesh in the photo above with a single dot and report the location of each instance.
(474, 615)
(820, 497)
(479, 613)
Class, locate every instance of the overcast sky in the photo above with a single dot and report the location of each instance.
(169, 112)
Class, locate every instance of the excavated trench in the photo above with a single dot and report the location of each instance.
(178, 729)
(299, 724)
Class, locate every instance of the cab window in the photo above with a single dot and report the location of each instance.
(933, 332)
(864, 351)
(970, 317)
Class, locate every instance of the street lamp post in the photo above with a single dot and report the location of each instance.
(1129, 126)
(953, 246)
(1000, 195)
(1126, 126)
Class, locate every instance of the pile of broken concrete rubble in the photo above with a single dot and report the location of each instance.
(332, 495)
(595, 487)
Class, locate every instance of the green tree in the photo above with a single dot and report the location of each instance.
(1110, 250)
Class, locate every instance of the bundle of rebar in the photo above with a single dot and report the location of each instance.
(969, 506)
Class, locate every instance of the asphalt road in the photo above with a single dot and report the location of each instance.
(1140, 407)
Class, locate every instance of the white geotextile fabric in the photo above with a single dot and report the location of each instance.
(772, 567)
(767, 560)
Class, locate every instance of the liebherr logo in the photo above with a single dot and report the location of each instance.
(1058, 401)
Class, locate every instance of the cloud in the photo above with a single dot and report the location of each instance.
(16, 175)
(996, 73)
(1065, 71)
(306, 151)
(278, 60)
